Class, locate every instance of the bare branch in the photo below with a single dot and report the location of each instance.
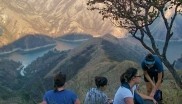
(137, 15)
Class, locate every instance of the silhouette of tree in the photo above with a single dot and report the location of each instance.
(136, 16)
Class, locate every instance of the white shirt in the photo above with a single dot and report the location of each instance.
(123, 93)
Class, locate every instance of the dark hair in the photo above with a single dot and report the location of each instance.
(100, 81)
(59, 80)
(149, 57)
(128, 75)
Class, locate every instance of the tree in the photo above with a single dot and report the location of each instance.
(136, 16)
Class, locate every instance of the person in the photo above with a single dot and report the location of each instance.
(60, 95)
(153, 73)
(127, 92)
(96, 95)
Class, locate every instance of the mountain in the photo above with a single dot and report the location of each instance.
(97, 53)
(11, 81)
(28, 43)
(97, 50)
(52, 17)
(158, 28)
(75, 37)
(58, 17)
(105, 56)
(9, 73)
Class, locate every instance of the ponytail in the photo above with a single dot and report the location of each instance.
(128, 75)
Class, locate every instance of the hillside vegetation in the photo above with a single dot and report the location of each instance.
(105, 56)
(83, 81)
(10, 82)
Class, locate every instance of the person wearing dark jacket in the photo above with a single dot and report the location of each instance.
(153, 73)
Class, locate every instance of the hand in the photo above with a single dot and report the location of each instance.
(155, 102)
(152, 94)
(110, 101)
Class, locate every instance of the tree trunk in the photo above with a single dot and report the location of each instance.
(173, 72)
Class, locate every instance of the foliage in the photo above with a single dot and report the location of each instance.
(131, 14)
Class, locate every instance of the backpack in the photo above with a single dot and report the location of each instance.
(158, 95)
(137, 98)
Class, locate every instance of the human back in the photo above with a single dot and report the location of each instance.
(60, 95)
(122, 93)
(96, 95)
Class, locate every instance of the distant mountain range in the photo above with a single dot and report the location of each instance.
(159, 30)
(58, 17)
(74, 37)
(35, 42)
(28, 43)
(51, 17)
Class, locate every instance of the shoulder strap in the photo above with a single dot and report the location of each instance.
(137, 98)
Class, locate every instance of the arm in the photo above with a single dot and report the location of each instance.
(128, 100)
(159, 80)
(160, 72)
(43, 102)
(148, 78)
(147, 97)
(157, 84)
(77, 101)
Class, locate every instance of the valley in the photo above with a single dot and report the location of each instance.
(41, 38)
(27, 57)
(105, 56)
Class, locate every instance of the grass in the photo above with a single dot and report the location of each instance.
(80, 84)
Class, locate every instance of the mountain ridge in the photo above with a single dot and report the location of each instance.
(28, 43)
(53, 17)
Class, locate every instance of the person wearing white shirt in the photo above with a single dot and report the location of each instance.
(127, 92)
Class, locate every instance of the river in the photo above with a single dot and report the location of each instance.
(173, 53)
(28, 57)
